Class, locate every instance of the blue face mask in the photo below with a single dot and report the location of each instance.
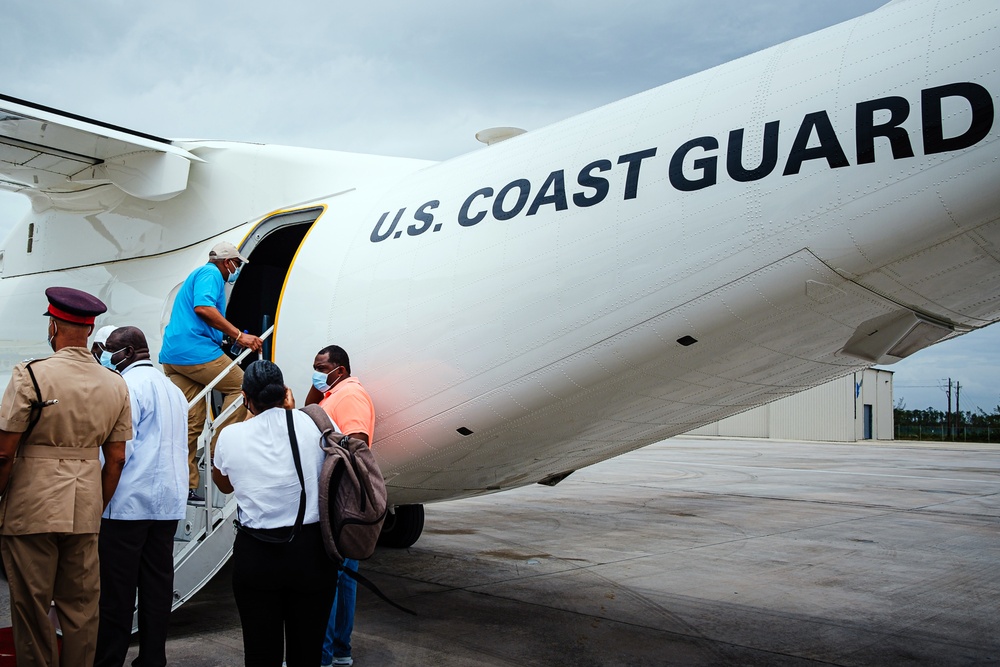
(234, 275)
(106, 359)
(52, 337)
(319, 381)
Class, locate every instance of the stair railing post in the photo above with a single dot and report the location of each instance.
(211, 425)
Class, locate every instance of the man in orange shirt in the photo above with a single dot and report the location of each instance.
(350, 407)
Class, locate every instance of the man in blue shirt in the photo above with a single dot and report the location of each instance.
(136, 542)
(192, 354)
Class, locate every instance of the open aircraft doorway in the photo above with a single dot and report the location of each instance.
(270, 247)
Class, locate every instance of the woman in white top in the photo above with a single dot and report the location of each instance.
(283, 589)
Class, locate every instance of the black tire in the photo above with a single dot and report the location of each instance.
(402, 528)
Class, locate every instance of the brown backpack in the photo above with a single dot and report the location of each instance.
(352, 495)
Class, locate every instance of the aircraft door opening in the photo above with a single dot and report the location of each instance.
(253, 303)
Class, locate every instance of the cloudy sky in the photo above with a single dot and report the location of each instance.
(404, 78)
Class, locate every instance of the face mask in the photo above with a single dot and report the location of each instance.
(106, 359)
(319, 381)
(55, 330)
(234, 275)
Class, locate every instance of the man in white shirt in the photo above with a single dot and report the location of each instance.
(136, 543)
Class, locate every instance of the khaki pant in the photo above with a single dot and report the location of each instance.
(191, 380)
(53, 567)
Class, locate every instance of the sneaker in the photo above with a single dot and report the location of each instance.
(195, 498)
(344, 660)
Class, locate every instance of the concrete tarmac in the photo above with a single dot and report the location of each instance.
(694, 551)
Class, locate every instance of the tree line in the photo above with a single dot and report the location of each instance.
(961, 425)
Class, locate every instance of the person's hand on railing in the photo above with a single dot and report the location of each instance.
(251, 341)
(245, 340)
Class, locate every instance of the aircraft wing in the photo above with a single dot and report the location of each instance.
(49, 151)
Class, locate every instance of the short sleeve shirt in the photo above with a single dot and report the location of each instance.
(350, 406)
(256, 456)
(48, 493)
(188, 339)
(154, 482)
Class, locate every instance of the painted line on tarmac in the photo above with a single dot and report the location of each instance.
(837, 472)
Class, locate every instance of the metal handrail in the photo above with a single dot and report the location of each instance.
(218, 378)
(212, 424)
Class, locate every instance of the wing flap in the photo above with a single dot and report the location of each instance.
(55, 153)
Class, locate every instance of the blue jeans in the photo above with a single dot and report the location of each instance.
(338, 629)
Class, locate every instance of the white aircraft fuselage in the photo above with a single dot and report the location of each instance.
(583, 289)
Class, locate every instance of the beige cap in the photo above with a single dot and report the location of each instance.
(226, 250)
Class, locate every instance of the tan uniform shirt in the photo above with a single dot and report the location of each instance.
(52, 491)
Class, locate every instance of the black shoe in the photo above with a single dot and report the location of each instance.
(195, 498)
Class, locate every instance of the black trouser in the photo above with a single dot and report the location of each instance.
(284, 593)
(135, 554)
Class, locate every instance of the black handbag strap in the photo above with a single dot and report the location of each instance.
(265, 534)
(36, 406)
(298, 469)
(34, 414)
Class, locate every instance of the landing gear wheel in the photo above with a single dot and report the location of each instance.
(402, 527)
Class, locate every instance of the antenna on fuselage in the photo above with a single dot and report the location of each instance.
(495, 135)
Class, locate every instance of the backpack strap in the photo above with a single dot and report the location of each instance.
(325, 424)
(367, 583)
(319, 417)
(264, 534)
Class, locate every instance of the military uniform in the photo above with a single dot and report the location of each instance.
(50, 513)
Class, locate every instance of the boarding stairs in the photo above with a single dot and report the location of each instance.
(204, 539)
